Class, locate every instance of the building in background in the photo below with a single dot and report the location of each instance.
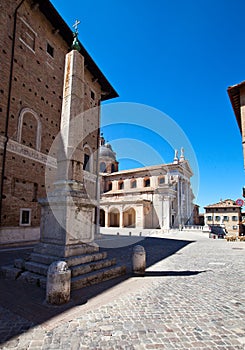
(225, 214)
(158, 196)
(237, 97)
(34, 41)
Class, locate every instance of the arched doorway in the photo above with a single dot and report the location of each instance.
(114, 218)
(102, 218)
(129, 218)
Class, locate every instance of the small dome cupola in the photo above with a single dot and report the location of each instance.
(107, 157)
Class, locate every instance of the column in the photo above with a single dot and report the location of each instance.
(106, 217)
(121, 217)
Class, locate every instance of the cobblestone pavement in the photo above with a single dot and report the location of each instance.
(191, 299)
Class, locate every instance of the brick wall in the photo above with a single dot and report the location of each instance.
(35, 105)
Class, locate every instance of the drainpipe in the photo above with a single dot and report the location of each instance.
(8, 108)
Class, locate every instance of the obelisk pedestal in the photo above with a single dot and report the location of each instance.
(68, 213)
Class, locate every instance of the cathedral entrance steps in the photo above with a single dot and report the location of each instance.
(97, 277)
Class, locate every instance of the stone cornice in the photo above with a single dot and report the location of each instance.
(27, 152)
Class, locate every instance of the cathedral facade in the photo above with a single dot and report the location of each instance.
(152, 197)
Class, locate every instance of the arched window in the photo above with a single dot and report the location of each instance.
(129, 217)
(133, 184)
(29, 129)
(120, 185)
(102, 167)
(114, 218)
(161, 180)
(102, 218)
(113, 168)
(88, 158)
(147, 182)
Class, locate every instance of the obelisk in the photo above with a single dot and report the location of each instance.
(67, 220)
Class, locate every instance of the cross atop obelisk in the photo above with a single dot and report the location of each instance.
(75, 25)
(75, 44)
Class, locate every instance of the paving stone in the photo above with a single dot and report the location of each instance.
(192, 300)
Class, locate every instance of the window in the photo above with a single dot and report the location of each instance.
(120, 185)
(50, 50)
(217, 218)
(147, 182)
(88, 158)
(29, 129)
(161, 180)
(92, 94)
(133, 184)
(209, 218)
(234, 227)
(234, 218)
(102, 167)
(109, 186)
(27, 35)
(113, 168)
(25, 217)
(86, 162)
(226, 218)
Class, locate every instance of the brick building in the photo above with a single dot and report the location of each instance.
(34, 40)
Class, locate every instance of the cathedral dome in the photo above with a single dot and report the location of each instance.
(106, 151)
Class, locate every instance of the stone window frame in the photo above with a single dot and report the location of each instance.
(110, 186)
(235, 218)
(209, 218)
(33, 31)
(22, 210)
(217, 218)
(39, 127)
(102, 170)
(234, 227)
(226, 218)
(121, 185)
(146, 179)
(133, 183)
(162, 177)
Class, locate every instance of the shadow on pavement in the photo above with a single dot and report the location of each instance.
(22, 305)
(172, 273)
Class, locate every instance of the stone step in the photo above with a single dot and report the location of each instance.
(68, 251)
(86, 258)
(97, 277)
(40, 269)
(33, 278)
(71, 261)
(93, 266)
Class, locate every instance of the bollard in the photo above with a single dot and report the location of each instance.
(139, 260)
(58, 286)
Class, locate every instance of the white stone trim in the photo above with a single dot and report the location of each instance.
(20, 125)
(27, 152)
(21, 211)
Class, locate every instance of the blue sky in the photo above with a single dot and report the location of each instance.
(178, 57)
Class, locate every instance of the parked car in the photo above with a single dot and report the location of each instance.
(219, 231)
